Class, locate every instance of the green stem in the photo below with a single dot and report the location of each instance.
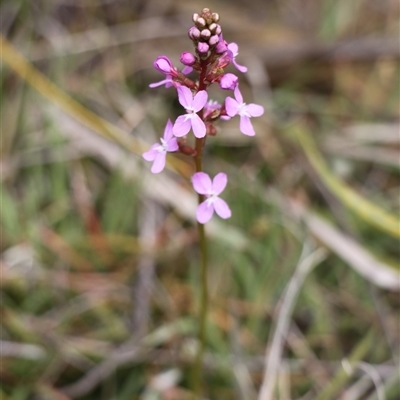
(202, 315)
(197, 371)
(198, 159)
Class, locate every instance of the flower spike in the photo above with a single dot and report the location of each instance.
(209, 59)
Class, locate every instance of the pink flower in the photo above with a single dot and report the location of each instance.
(191, 119)
(202, 184)
(158, 152)
(245, 111)
(164, 65)
(233, 51)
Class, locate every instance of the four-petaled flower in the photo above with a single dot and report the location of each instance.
(233, 51)
(158, 152)
(245, 111)
(190, 120)
(211, 190)
(164, 65)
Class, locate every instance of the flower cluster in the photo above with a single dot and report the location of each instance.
(212, 54)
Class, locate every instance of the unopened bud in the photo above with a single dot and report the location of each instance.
(211, 130)
(195, 17)
(205, 11)
(228, 82)
(215, 17)
(202, 47)
(218, 30)
(212, 27)
(189, 151)
(201, 22)
(205, 33)
(194, 33)
(187, 58)
(213, 40)
(221, 47)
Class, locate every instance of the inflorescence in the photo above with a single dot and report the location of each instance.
(211, 56)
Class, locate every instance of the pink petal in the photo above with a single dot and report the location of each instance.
(182, 126)
(168, 131)
(246, 127)
(199, 101)
(185, 96)
(204, 212)
(156, 84)
(255, 110)
(238, 95)
(222, 208)
(159, 163)
(199, 128)
(152, 153)
(219, 183)
(187, 70)
(241, 68)
(234, 48)
(201, 183)
(172, 145)
(231, 106)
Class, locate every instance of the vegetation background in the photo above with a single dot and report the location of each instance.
(99, 258)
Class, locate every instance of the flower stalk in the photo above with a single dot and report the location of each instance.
(212, 54)
(203, 311)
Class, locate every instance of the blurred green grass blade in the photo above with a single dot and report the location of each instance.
(341, 378)
(55, 95)
(366, 210)
(9, 215)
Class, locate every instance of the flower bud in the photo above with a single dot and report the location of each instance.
(187, 58)
(215, 17)
(187, 150)
(228, 82)
(195, 17)
(218, 30)
(163, 64)
(205, 33)
(212, 27)
(213, 40)
(201, 22)
(194, 33)
(211, 130)
(221, 47)
(202, 47)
